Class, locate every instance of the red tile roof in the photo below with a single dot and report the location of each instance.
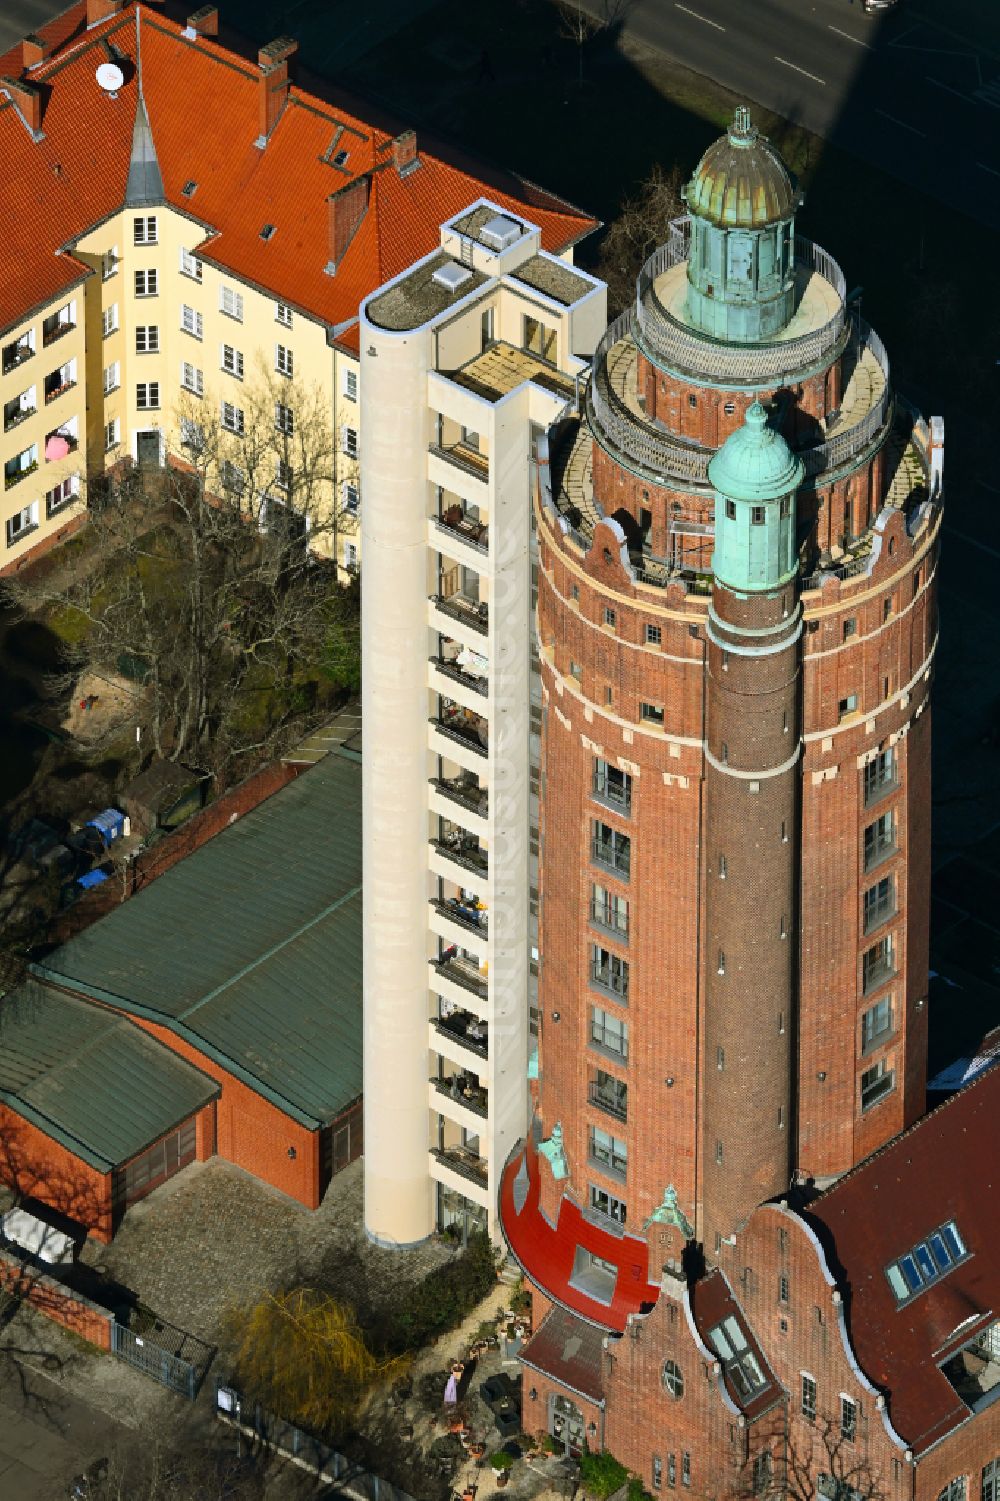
(941, 1169)
(202, 103)
(569, 1351)
(547, 1252)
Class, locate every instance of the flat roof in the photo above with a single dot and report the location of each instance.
(416, 297)
(251, 948)
(503, 367)
(94, 1082)
(557, 280)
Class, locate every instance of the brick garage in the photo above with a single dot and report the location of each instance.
(244, 960)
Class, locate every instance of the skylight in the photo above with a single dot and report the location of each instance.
(267, 231)
(741, 1364)
(189, 188)
(340, 159)
(926, 1262)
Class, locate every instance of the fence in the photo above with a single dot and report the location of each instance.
(327, 1464)
(176, 1359)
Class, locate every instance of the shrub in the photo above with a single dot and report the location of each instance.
(501, 1460)
(418, 1315)
(601, 1474)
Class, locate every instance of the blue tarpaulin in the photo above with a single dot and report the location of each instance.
(110, 824)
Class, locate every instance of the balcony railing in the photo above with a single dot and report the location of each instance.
(611, 1104)
(879, 849)
(613, 793)
(609, 919)
(467, 794)
(464, 974)
(465, 1028)
(464, 851)
(50, 335)
(876, 972)
(613, 982)
(472, 731)
(451, 670)
(19, 415)
(58, 391)
(464, 457)
(464, 610)
(20, 354)
(465, 1092)
(612, 1042)
(465, 1163)
(616, 857)
(469, 918)
(610, 1161)
(876, 913)
(456, 521)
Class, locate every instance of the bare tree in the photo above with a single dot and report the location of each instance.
(582, 25)
(642, 223)
(210, 579)
(831, 1465)
(185, 1469)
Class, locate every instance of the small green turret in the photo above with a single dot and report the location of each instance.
(755, 476)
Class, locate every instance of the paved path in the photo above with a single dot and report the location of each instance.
(47, 1438)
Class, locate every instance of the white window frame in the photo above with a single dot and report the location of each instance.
(349, 388)
(231, 361)
(112, 377)
(144, 230)
(283, 474)
(192, 434)
(190, 265)
(238, 423)
(109, 320)
(147, 338)
(192, 379)
(66, 491)
(349, 442)
(147, 396)
(283, 314)
(110, 262)
(284, 419)
(30, 523)
(230, 302)
(147, 282)
(192, 321)
(284, 360)
(350, 495)
(112, 434)
(227, 476)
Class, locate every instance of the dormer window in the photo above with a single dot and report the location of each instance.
(926, 1262)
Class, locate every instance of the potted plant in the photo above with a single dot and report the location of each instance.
(501, 1462)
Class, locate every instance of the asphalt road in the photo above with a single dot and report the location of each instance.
(915, 91)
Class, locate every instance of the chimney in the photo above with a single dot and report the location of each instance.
(274, 83)
(404, 152)
(347, 209)
(34, 50)
(204, 22)
(100, 10)
(28, 100)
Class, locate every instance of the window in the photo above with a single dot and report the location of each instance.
(651, 713)
(673, 1378)
(608, 1151)
(284, 419)
(232, 418)
(283, 360)
(283, 475)
(685, 1468)
(880, 839)
(192, 321)
(926, 1262)
(607, 1032)
(112, 434)
(611, 849)
(231, 302)
(720, 1059)
(147, 395)
(610, 618)
(350, 557)
(350, 442)
(611, 1095)
(147, 339)
(192, 379)
(109, 320)
(886, 609)
(66, 491)
(783, 1288)
(190, 265)
(879, 902)
(109, 264)
(876, 1025)
(351, 385)
(574, 592)
(268, 232)
(146, 283)
(112, 377)
(576, 671)
(657, 1472)
(991, 1481)
(190, 188)
(740, 1363)
(351, 497)
(192, 435)
(848, 705)
(21, 523)
(671, 1470)
(876, 1083)
(231, 361)
(954, 1490)
(487, 332)
(850, 626)
(608, 910)
(233, 478)
(756, 515)
(283, 315)
(606, 1205)
(593, 1275)
(729, 408)
(880, 774)
(612, 785)
(540, 340)
(654, 635)
(877, 963)
(762, 1469)
(719, 1153)
(808, 1403)
(692, 400)
(783, 507)
(730, 510)
(848, 1419)
(144, 230)
(609, 972)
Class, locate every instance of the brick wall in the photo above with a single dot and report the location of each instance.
(36, 1167)
(54, 1301)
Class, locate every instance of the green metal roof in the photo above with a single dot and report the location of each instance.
(93, 1081)
(250, 949)
(755, 463)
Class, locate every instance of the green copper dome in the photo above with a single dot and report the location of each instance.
(755, 463)
(741, 181)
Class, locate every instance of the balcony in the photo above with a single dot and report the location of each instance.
(468, 612)
(14, 477)
(609, 1095)
(471, 918)
(450, 667)
(462, 973)
(463, 726)
(464, 457)
(15, 355)
(613, 854)
(467, 1164)
(54, 391)
(465, 1028)
(14, 414)
(460, 523)
(613, 788)
(465, 1090)
(53, 329)
(464, 850)
(465, 791)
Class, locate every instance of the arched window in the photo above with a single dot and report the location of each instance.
(673, 1378)
(955, 1490)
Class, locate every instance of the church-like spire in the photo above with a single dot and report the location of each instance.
(145, 182)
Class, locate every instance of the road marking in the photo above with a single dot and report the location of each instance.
(902, 123)
(688, 12)
(939, 85)
(848, 37)
(994, 173)
(786, 64)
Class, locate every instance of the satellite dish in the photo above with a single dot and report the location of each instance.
(110, 78)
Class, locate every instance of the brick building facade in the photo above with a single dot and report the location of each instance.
(737, 552)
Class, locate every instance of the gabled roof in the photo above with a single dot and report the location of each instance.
(202, 106)
(712, 1303)
(250, 949)
(64, 1065)
(569, 1351)
(941, 1169)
